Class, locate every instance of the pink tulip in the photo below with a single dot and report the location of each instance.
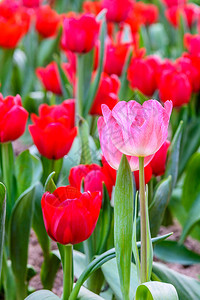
(133, 129)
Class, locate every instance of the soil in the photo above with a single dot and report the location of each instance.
(36, 259)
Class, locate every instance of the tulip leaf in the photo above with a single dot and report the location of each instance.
(173, 156)
(144, 41)
(193, 218)
(123, 223)
(38, 223)
(2, 219)
(8, 279)
(84, 139)
(20, 227)
(42, 295)
(49, 269)
(186, 287)
(134, 238)
(85, 294)
(104, 221)
(28, 170)
(124, 81)
(159, 205)
(50, 165)
(79, 263)
(95, 85)
(178, 253)
(6, 68)
(49, 184)
(155, 290)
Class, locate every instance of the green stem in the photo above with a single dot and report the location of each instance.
(68, 272)
(143, 218)
(49, 166)
(80, 85)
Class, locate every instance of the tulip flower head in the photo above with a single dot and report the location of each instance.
(69, 215)
(159, 160)
(117, 10)
(13, 118)
(53, 132)
(134, 130)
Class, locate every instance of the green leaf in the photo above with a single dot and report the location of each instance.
(159, 205)
(144, 41)
(123, 223)
(28, 170)
(110, 272)
(193, 218)
(85, 294)
(104, 221)
(84, 139)
(156, 291)
(178, 253)
(38, 223)
(42, 295)
(49, 270)
(134, 239)
(31, 272)
(2, 220)
(94, 86)
(8, 279)
(6, 68)
(173, 156)
(49, 184)
(124, 81)
(20, 227)
(79, 263)
(186, 287)
(191, 185)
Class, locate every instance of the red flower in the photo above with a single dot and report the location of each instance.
(14, 24)
(115, 57)
(176, 86)
(150, 13)
(147, 175)
(53, 132)
(80, 34)
(31, 3)
(192, 43)
(171, 3)
(93, 176)
(159, 160)
(141, 71)
(13, 118)
(190, 12)
(106, 94)
(70, 216)
(92, 7)
(47, 21)
(49, 76)
(117, 10)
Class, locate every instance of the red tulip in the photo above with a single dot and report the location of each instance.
(141, 71)
(115, 57)
(190, 12)
(13, 118)
(93, 176)
(192, 43)
(80, 34)
(92, 7)
(175, 86)
(47, 21)
(53, 132)
(159, 160)
(147, 175)
(31, 3)
(171, 3)
(106, 94)
(49, 76)
(150, 13)
(117, 10)
(70, 216)
(14, 24)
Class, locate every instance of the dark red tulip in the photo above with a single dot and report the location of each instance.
(117, 10)
(31, 3)
(106, 94)
(80, 33)
(92, 7)
(158, 163)
(171, 3)
(192, 43)
(14, 24)
(147, 175)
(53, 132)
(92, 176)
(49, 76)
(141, 71)
(176, 86)
(47, 21)
(13, 118)
(70, 216)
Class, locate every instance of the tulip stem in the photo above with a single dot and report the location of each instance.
(68, 272)
(143, 219)
(80, 85)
